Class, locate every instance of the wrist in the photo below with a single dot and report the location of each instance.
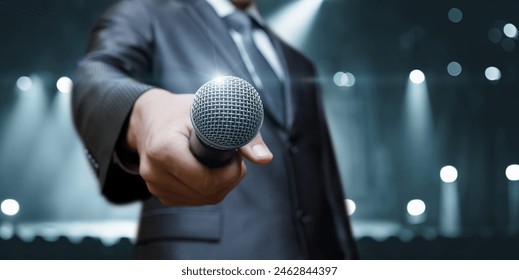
(155, 112)
(137, 121)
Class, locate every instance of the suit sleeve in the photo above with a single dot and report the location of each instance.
(107, 83)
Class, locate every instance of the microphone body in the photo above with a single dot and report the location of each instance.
(226, 113)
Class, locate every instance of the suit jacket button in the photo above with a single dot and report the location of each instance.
(294, 150)
(306, 219)
(303, 217)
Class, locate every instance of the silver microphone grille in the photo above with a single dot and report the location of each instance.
(226, 113)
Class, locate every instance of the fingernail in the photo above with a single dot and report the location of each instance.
(261, 151)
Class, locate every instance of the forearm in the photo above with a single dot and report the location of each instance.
(103, 98)
(108, 81)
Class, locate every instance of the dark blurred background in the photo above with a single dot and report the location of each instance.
(422, 99)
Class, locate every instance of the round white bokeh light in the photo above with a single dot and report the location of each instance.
(492, 73)
(64, 85)
(416, 207)
(448, 174)
(350, 206)
(512, 172)
(24, 83)
(10, 207)
(417, 77)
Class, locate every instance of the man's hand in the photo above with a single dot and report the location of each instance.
(159, 131)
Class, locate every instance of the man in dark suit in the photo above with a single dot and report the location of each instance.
(131, 103)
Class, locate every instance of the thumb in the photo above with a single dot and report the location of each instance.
(257, 151)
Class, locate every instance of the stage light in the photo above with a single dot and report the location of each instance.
(10, 207)
(455, 15)
(512, 172)
(64, 85)
(351, 79)
(417, 77)
(492, 73)
(448, 174)
(454, 69)
(342, 79)
(449, 218)
(24, 83)
(510, 30)
(417, 122)
(416, 207)
(350, 206)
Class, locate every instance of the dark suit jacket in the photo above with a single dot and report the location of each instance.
(292, 208)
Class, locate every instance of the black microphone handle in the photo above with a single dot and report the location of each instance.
(209, 156)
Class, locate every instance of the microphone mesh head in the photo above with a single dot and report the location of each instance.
(226, 113)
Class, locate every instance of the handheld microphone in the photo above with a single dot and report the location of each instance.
(226, 113)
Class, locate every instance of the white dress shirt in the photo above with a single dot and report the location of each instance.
(224, 8)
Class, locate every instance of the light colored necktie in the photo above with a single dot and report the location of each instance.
(272, 86)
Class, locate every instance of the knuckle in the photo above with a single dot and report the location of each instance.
(154, 150)
(146, 171)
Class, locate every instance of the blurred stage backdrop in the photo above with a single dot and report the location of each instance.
(422, 99)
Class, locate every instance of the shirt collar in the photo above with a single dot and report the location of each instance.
(224, 8)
